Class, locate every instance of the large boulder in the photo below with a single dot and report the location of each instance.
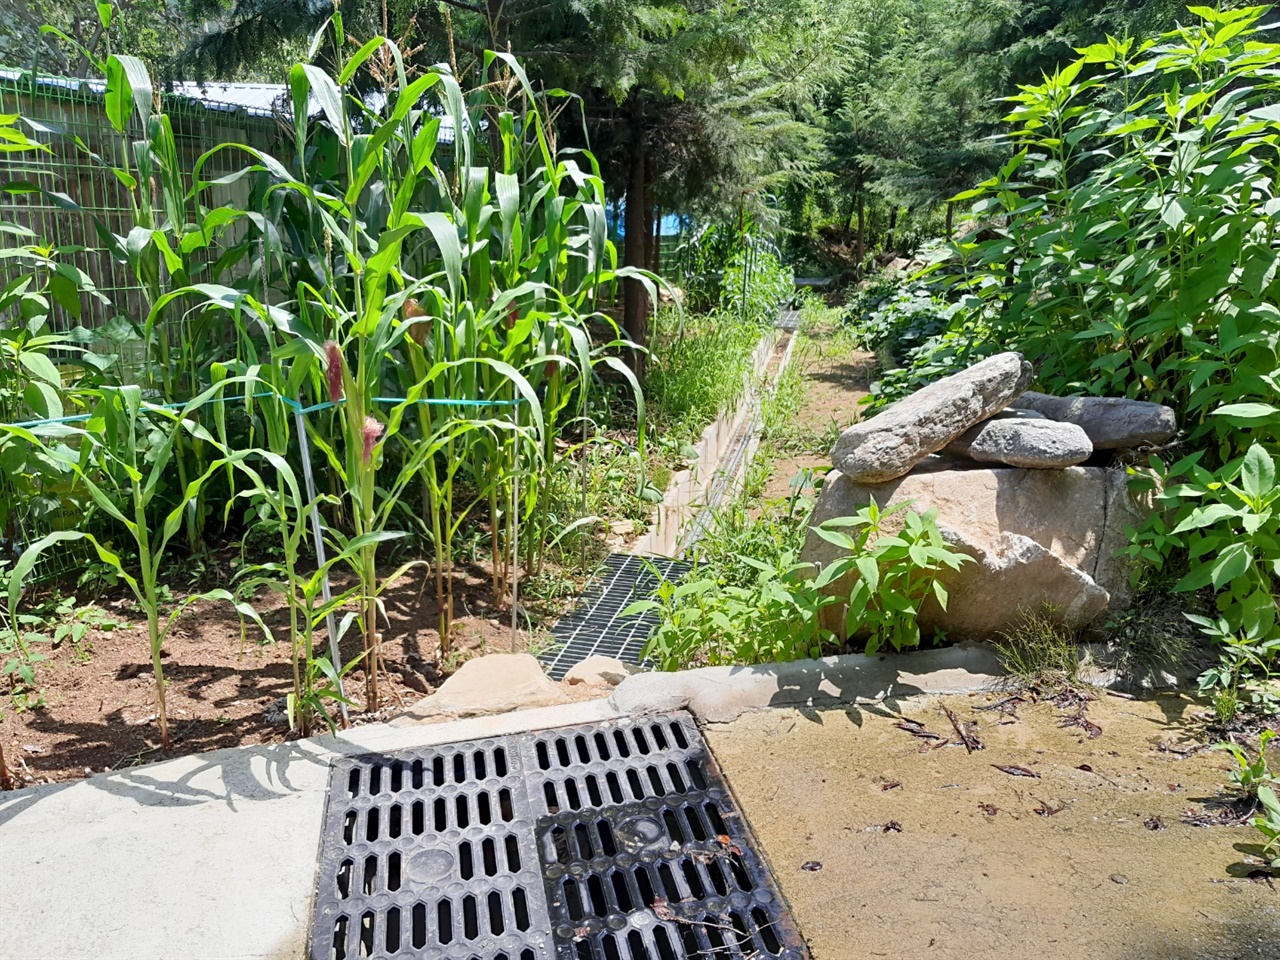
(1035, 537)
(1025, 440)
(1111, 423)
(889, 444)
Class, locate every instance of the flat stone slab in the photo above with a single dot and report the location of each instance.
(598, 671)
(889, 444)
(1033, 441)
(1111, 423)
(495, 683)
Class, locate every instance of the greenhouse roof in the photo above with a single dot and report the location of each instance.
(254, 99)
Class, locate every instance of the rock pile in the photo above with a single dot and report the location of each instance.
(1002, 467)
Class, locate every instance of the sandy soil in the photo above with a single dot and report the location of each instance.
(889, 845)
(224, 688)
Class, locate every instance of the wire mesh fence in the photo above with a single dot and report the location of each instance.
(69, 117)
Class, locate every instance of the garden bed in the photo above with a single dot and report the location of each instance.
(225, 688)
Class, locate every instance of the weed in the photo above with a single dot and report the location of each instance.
(1249, 774)
(1038, 651)
(700, 369)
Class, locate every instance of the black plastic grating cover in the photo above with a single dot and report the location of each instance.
(614, 841)
(596, 625)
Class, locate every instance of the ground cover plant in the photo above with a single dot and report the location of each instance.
(750, 599)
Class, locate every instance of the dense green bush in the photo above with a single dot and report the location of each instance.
(1130, 248)
(894, 320)
(1138, 255)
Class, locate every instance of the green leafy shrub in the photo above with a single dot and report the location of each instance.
(895, 572)
(1226, 524)
(766, 606)
(1131, 248)
(895, 320)
(757, 283)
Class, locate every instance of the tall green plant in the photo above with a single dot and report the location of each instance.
(110, 458)
(1133, 249)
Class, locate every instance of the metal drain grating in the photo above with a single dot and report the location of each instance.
(788, 320)
(595, 626)
(615, 841)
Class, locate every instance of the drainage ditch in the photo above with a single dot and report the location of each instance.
(615, 841)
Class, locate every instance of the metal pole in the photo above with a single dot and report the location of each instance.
(515, 539)
(305, 450)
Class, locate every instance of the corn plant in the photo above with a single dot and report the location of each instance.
(276, 499)
(481, 262)
(109, 458)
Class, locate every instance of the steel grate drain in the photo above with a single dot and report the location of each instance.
(615, 841)
(596, 624)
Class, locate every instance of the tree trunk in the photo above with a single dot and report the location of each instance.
(655, 242)
(950, 214)
(862, 231)
(634, 252)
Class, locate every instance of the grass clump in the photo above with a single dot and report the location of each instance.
(699, 369)
(1039, 652)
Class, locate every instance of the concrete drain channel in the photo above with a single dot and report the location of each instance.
(615, 841)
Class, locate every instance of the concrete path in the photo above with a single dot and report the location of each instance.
(213, 857)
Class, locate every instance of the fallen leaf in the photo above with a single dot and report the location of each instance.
(891, 785)
(661, 910)
(917, 729)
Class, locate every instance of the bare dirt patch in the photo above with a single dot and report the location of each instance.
(225, 687)
(1047, 842)
(833, 380)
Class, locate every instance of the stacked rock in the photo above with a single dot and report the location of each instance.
(1008, 489)
(986, 413)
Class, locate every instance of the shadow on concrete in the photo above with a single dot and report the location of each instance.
(230, 776)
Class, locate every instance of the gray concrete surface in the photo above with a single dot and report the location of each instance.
(210, 857)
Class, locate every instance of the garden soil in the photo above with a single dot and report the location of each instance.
(894, 844)
(226, 687)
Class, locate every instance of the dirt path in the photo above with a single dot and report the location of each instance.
(889, 846)
(832, 378)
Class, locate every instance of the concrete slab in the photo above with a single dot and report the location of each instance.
(211, 857)
(886, 845)
(720, 694)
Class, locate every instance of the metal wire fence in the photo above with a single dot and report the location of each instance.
(69, 116)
